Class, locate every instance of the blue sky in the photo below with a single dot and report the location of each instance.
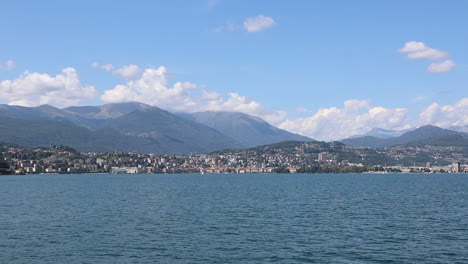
(325, 69)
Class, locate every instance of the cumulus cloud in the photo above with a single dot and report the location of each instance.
(33, 89)
(419, 50)
(258, 23)
(447, 115)
(356, 117)
(438, 67)
(131, 71)
(153, 88)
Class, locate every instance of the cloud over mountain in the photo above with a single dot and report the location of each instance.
(447, 115)
(154, 88)
(127, 71)
(32, 89)
(356, 117)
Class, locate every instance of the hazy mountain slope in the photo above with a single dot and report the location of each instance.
(246, 129)
(111, 127)
(422, 133)
(107, 111)
(93, 117)
(382, 133)
(47, 112)
(365, 141)
(457, 140)
(171, 133)
(50, 133)
(463, 129)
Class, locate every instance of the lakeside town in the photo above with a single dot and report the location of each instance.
(285, 157)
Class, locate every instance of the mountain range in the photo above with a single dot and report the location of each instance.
(135, 127)
(247, 130)
(429, 135)
(140, 128)
(382, 133)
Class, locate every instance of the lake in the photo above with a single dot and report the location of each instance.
(257, 218)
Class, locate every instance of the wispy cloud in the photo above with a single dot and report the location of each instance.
(227, 27)
(130, 71)
(210, 5)
(420, 98)
(8, 65)
(258, 23)
(251, 24)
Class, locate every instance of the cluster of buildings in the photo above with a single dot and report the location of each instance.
(307, 157)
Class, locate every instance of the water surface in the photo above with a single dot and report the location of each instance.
(308, 218)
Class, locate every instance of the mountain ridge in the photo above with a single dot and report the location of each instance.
(246, 129)
(422, 133)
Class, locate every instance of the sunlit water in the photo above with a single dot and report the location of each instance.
(335, 218)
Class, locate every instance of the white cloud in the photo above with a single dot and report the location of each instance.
(258, 23)
(32, 89)
(447, 115)
(438, 67)
(356, 117)
(131, 71)
(419, 50)
(153, 88)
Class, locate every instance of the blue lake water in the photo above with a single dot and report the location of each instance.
(308, 218)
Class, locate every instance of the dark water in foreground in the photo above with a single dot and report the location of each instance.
(234, 218)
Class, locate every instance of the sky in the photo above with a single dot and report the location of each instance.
(323, 69)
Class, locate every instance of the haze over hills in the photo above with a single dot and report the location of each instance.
(47, 112)
(107, 111)
(425, 133)
(34, 133)
(463, 129)
(382, 133)
(248, 130)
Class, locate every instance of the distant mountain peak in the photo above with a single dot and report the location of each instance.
(106, 111)
(419, 134)
(382, 133)
(247, 129)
